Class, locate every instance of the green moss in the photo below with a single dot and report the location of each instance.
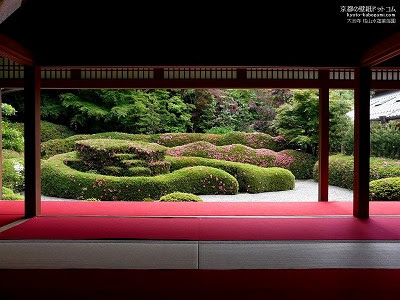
(386, 189)
(252, 179)
(180, 197)
(60, 180)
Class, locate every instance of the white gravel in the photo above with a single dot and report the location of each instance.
(305, 191)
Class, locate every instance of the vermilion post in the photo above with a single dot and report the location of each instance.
(361, 142)
(32, 141)
(323, 146)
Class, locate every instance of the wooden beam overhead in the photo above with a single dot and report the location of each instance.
(15, 51)
(381, 52)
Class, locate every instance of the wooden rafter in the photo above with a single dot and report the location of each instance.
(381, 52)
(15, 51)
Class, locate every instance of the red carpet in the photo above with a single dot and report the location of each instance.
(200, 284)
(82, 228)
(199, 209)
(7, 219)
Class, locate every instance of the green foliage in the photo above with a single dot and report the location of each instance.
(298, 122)
(341, 170)
(386, 189)
(135, 111)
(219, 130)
(180, 197)
(7, 110)
(252, 179)
(59, 179)
(12, 138)
(299, 163)
(13, 170)
(385, 140)
(51, 131)
(8, 194)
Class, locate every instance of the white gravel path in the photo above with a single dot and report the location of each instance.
(305, 191)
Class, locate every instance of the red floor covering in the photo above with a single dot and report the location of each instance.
(200, 284)
(93, 220)
(200, 209)
(84, 228)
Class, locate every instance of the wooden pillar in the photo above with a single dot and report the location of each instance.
(323, 146)
(1, 149)
(361, 142)
(32, 141)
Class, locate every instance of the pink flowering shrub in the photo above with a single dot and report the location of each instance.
(299, 163)
(254, 140)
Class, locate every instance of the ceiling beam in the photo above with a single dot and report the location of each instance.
(381, 52)
(15, 51)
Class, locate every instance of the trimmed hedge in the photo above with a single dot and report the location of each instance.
(252, 179)
(341, 170)
(386, 189)
(180, 197)
(58, 179)
(49, 131)
(103, 151)
(299, 163)
(253, 140)
(8, 194)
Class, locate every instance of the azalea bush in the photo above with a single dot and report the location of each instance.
(13, 170)
(386, 189)
(251, 179)
(299, 163)
(341, 170)
(253, 140)
(61, 180)
(180, 197)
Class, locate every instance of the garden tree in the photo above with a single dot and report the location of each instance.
(265, 104)
(298, 122)
(12, 138)
(133, 111)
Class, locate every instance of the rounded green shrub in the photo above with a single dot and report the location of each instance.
(180, 197)
(8, 194)
(299, 163)
(386, 189)
(59, 179)
(341, 170)
(252, 179)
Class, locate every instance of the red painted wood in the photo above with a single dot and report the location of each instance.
(383, 51)
(32, 141)
(323, 145)
(361, 142)
(15, 51)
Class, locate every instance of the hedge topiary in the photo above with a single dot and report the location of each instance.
(59, 179)
(180, 197)
(385, 189)
(253, 140)
(299, 163)
(49, 131)
(252, 179)
(341, 170)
